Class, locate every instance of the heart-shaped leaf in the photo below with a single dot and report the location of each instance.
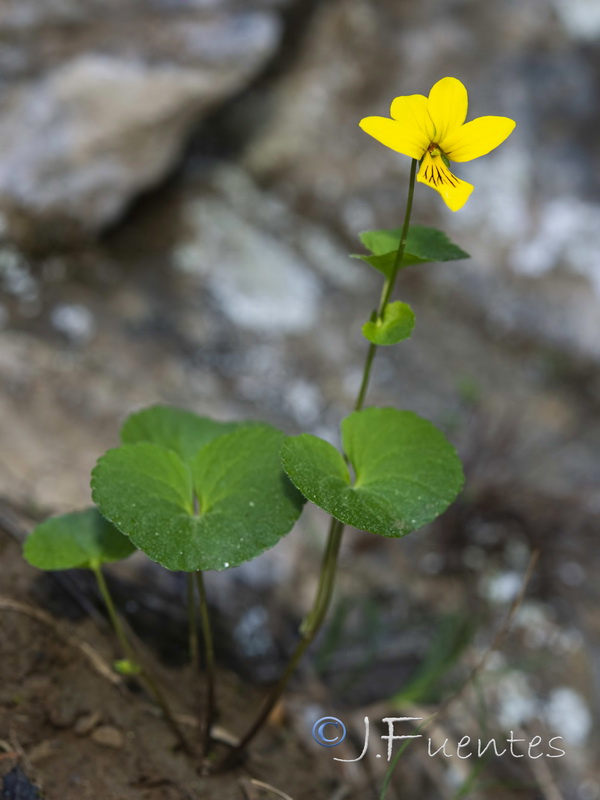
(231, 502)
(80, 539)
(179, 430)
(423, 245)
(396, 325)
(407, 473)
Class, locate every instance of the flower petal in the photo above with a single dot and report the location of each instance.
(403, 137)
(433, 172)
(477, 138)
(447, 106)
(411, 110)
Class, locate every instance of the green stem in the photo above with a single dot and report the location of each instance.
(314, 619)
(365, 378)
(192, 629)
(389, 284)
(388, 287)
(126, 648)
(142, 674)
(209, 655)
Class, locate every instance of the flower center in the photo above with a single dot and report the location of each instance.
(434, 168)
(434, 151)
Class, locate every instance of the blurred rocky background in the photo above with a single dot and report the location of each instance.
(180, 184)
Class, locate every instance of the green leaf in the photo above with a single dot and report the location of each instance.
(407, 473)
(423, 245)
(228, 505)
(383, 241)
(174, 428)
(397, 324)
(385, 263)
(429, 244)
(79, 539)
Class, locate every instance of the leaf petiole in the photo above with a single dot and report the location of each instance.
(134, 667)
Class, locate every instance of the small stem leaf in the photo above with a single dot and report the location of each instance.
(174, 428)
(245, 502)
(77, 540)
(407, 473)
(385, 263)
(382, 241)
(423, 245)
(429, 244)
(396, 325)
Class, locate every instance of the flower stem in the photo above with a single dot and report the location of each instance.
(209, 656)
(388, 286)
(314, 619)
(365, 377)
(142, 674)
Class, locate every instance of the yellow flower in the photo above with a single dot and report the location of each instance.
(433, 130)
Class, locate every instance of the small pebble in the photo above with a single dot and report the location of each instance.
(74, 321)
(86, 723)
(108, 736)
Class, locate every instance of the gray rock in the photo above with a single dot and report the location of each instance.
(260, 262)
(99, 98)
(74, 321)
(580, 17)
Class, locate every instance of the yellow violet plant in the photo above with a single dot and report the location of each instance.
(196, 494)
(433, 131)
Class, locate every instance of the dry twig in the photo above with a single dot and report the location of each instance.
(498, 638)
(249, 785)
(546, 783)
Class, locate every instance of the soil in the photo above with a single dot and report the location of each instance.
(81, 733)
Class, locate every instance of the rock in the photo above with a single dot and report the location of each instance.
(97, 102)
(260, 283)
(86, 723)
(108, 736)
(74, 321)
(268, 259)
(580, 17)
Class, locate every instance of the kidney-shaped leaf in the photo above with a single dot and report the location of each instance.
(80, 539)
(228, 505)
(407, 473)
(179, 430)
